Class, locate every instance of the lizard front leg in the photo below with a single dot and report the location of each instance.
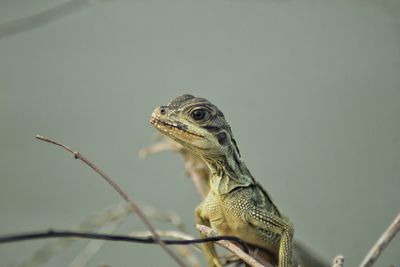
(272, 223)
(209, 249)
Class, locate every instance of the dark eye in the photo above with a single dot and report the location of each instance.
(199, 114)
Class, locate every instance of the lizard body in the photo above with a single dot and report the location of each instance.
(236, 203)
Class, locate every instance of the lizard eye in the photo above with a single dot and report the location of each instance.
(200, 114)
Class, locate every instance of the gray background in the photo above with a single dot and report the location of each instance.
(310, 88)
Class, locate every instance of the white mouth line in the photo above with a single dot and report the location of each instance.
(158, 123)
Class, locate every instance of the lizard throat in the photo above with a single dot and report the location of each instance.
(227, 174)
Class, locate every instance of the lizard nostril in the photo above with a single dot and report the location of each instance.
(162, 110)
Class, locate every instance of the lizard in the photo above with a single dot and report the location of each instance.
(236, 203)
(199, 172)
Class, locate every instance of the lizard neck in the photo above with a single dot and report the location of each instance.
(228, 172)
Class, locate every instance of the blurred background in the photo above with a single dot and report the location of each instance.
(310, 88)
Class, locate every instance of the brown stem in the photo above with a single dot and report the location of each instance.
(121, 192)
(381, 243)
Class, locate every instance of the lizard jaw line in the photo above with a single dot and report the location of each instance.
(162, 125)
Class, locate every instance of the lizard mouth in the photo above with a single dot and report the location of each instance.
(173, 129)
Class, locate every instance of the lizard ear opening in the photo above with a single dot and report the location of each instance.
(222, 139)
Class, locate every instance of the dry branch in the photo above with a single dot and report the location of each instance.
(381, 243)
(111, 237)
(122, 193)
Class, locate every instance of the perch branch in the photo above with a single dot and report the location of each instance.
(122, 193)
(110, 237)
(381, 243)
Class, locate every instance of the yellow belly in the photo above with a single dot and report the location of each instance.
(226, 223)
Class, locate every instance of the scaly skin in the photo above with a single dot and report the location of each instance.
(236, 204)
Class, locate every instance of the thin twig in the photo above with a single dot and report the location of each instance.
(230, 246)
(122, 193)
(166, 233)
(381, 243)
(110, 237)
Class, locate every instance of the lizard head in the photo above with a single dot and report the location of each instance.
(196, 124)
